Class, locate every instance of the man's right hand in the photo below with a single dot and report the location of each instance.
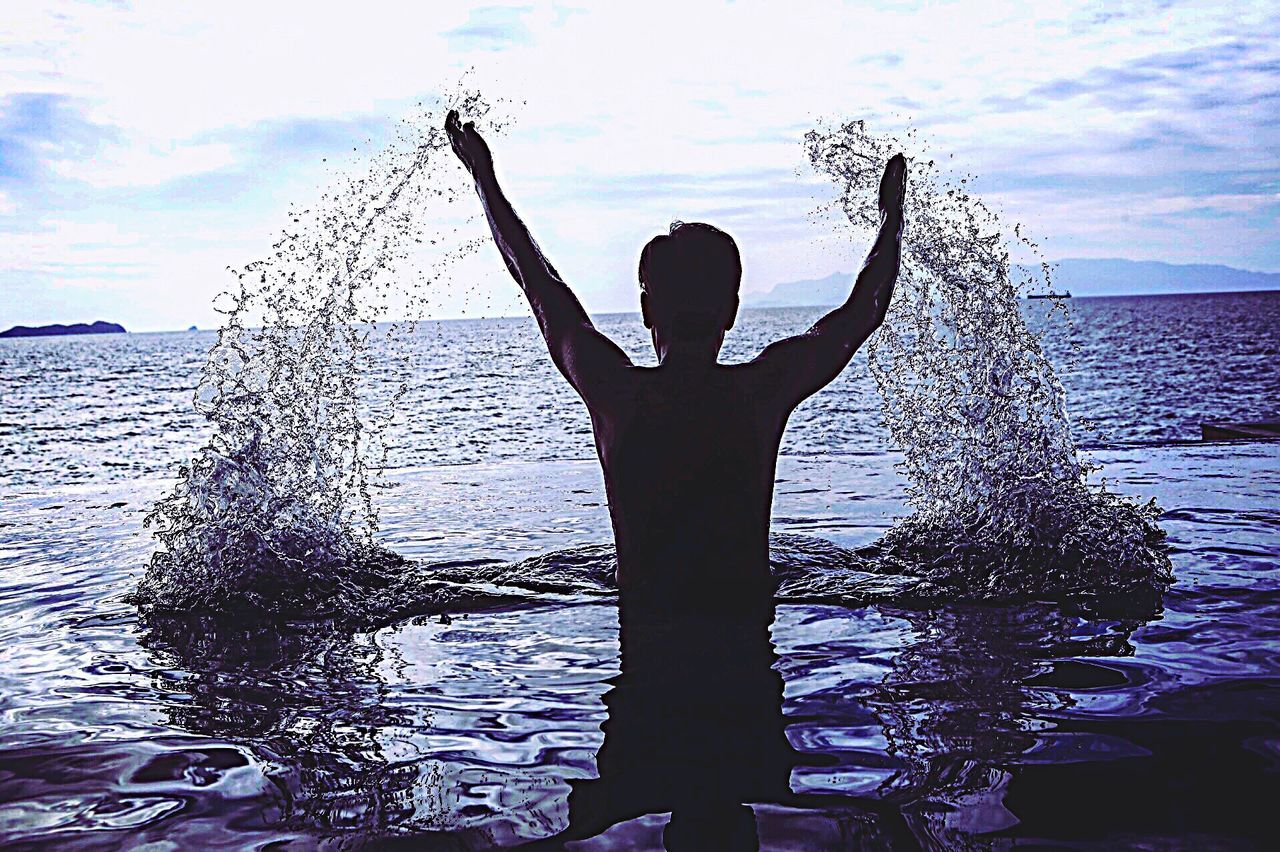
(801, 365)
(468, 144)
(893, 188)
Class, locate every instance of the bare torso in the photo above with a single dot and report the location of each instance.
(688, 454)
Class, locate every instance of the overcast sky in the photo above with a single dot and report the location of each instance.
(146, 146)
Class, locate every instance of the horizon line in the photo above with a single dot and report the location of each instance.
(744, 307)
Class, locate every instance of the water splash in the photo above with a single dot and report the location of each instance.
(1004, 505)
(274, 516)
(275, 513)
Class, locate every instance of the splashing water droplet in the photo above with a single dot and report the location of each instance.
(1003, 505)
(274, 514)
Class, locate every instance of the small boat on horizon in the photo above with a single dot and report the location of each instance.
(1064, 295)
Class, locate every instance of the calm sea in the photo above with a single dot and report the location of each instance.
(980, 726)
(103, 408)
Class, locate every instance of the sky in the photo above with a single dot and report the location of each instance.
(145, 147)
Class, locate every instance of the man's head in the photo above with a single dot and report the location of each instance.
(689, 281)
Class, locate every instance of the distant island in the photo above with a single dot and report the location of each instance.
(1116, 277)
(98, 327)
(1081, 276)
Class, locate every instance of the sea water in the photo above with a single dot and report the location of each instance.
(1029, 721)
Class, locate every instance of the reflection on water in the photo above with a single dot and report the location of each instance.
(935, 725)
(960, 702)
(694, 727)
(310, 703)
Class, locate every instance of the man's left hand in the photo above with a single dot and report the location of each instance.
(467, 143)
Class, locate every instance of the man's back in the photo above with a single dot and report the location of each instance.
(688, 453)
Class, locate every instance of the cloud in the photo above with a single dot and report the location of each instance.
(888, 59)
(492, 28)
(1200, 78)
(40, 130)
(1223, 205)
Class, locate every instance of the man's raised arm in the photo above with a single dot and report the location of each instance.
(802, 365)
(585, 357)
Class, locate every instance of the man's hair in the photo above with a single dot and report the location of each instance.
(691, 275)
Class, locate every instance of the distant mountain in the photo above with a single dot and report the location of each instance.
(1080, 276)
(817, 292)
(1116, 277)
(98, 327)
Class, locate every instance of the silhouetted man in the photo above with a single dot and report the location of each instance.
(688, 448)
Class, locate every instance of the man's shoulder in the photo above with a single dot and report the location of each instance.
(620, 392)
(763, 379)
(756, 371)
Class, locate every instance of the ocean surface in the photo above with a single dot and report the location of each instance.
(958, 726)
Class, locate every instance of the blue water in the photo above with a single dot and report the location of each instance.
(981, 726)
(102, 408)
